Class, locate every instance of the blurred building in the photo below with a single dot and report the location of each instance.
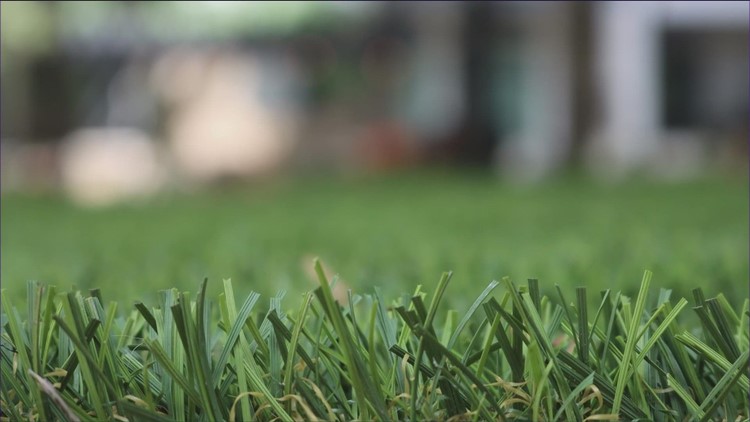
(242, 90)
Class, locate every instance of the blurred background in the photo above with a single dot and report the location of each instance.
(106, 103)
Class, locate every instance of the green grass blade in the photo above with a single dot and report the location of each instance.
(663, 326)
(627, 361)
(470, 313)
(294, 343)
(573, 394)
(138, 413)
(695, 410)
(238, 321)
(364, 388)
(710, 354)
(715, 397)
(583, 326)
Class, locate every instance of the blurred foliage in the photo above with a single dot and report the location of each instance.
(31, 28)
(26, 27)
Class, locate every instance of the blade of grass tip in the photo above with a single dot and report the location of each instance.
(49, 312)
(470, 313)
(362, 383)
(387, 327)
(554, 320)
(385, 324)
(276, 344)
(147, 315)
(663, 326)
(35, 291)
(742, 328)
(359, 335)
(279, 353)
(583, 326)
(515, 361)
(169, 338)
(107, 354)
(442, 284)
(454, 401)
(488, 345)
(88, 365)
(295, 342)
(350, 315)
(610, 327)
(190, 335)
(722, 322)
(235, 321)
(34, 305)
(448, 326)
(716, 396)
(535, 327)
(714, 335)
(729, 311)
(517, 336)
(421, 309)
(405, 334)
(238, 320)
(203, 352)
(534, 293)
(699, 297)
(605, 296)
(708, 353)
(202, 324)
(477, 340)
(625, 369)
(375, 373)
(566, 307)
(664, 295)
(21, 344)
(515, 322)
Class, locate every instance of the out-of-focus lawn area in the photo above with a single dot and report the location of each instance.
(394, 232)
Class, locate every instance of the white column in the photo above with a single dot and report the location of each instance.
(627, 51)
(543, 139)
(435, 103)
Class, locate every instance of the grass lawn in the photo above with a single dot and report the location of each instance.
(514, 354)
(394, 232)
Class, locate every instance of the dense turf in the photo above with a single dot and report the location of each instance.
(393, 232)
(514, 355)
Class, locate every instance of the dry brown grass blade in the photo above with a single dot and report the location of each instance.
(48, 389)
(339, 289)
